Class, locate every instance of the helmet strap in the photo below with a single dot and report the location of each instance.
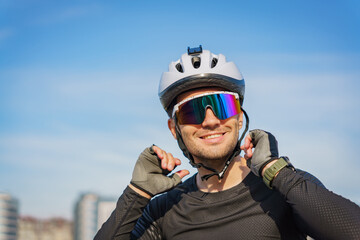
(235, 153)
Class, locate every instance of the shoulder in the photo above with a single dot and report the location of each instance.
(166, 200)
(183, 188)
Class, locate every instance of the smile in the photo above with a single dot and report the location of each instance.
(213, 136)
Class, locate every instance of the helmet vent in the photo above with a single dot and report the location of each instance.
(214, 62)
(179, 67)
(196, 61)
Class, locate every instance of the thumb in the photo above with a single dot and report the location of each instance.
(182, 173)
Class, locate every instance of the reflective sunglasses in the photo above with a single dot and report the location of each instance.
(192, 110)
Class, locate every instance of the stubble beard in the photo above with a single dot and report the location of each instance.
(212, 156)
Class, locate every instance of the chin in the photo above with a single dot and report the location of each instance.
(214, 152)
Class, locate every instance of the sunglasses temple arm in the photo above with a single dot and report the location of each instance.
(246, 126)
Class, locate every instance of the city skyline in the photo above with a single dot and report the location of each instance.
(78, 88)
(90, 211)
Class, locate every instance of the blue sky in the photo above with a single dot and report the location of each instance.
(78, 88)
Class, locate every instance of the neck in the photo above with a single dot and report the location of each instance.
(234, 175)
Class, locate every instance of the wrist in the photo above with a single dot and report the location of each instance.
(268, 166)
(271, 171)
(140, 192)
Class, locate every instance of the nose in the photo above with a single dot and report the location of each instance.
(210, 120)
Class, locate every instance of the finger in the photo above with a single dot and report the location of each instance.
(177, 161)
(164, 160)
(242, 147)
(167, 159)
(158, 151)
(171, 162)
(248, 153)
(182, 173)
(247, 142)
(250, 150)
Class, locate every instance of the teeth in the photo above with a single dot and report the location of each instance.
(213, 136)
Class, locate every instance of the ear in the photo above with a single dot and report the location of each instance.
(240, 120)
(171, 126)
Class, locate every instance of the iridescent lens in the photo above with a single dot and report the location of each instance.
(223, 105)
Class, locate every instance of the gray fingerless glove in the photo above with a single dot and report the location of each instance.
(266, 150)
(148, 175)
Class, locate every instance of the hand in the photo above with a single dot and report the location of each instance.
(151, 170)
(266, 150)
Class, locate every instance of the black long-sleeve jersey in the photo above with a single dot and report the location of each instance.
(299, 205)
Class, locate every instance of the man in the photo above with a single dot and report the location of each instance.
(258, 196)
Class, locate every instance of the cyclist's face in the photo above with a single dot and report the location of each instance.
(213, 139)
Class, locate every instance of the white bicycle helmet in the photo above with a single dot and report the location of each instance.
(196, 69)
